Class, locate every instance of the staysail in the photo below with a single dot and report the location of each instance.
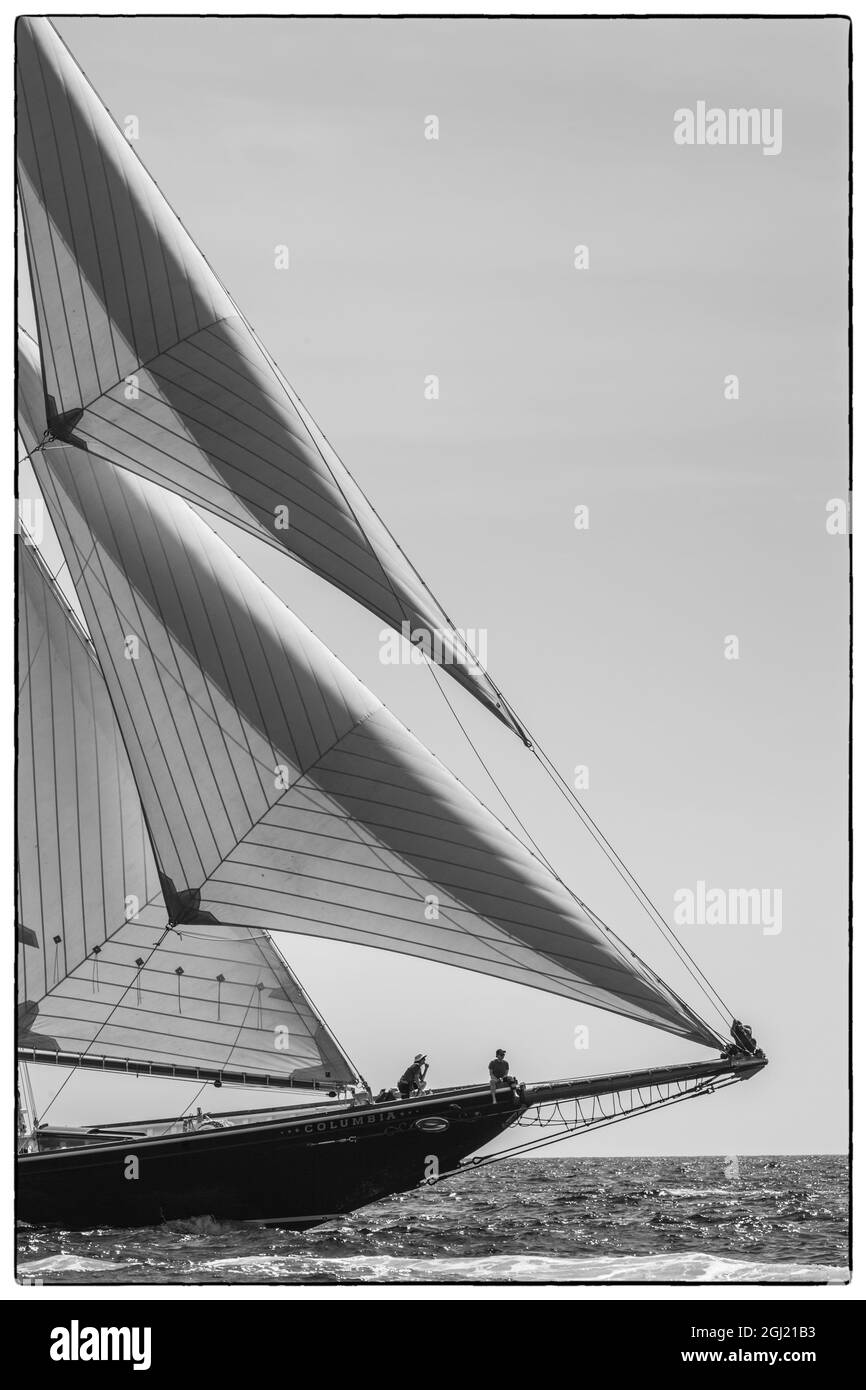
(97, 973)
(148, 361)
(279, 791)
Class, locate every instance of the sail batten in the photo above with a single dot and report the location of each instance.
(163, 375)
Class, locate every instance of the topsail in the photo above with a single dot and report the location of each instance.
(149, 363)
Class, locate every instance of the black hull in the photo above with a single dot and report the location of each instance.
(296, 1172)
(305, 1167)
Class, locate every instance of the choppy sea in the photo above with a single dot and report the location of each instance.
(557, 1220)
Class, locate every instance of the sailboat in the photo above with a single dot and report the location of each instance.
(199, 777)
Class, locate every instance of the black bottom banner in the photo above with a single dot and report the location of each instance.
(189, 1332)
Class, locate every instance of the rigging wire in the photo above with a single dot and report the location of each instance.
(629, 878)
(625, 952)
(543, 1141)
(205, 1084)
(24, 458)
(638, 892)
(318, 1014)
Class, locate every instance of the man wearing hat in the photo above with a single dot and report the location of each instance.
(498, 1069)
(412, 1080)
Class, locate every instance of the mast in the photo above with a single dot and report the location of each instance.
(27, 1118)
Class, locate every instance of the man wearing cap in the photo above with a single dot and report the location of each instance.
(498, 1069)
(412, 1080)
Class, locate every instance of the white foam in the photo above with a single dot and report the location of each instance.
(730, 1191)
(60, 1264)
(689, 1267)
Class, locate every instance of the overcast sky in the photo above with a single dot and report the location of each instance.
(559, 387)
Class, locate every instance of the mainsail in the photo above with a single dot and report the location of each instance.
(98, 975)
(278, 790)
(148, 361)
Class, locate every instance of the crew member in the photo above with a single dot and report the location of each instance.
(743, 1037)
(412, 1081)
(498, 1069)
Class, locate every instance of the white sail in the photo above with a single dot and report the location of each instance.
(97, 973)
(278, 790)
(148, 361)
(31, 400)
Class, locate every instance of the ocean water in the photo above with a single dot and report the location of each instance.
(541, 1220)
